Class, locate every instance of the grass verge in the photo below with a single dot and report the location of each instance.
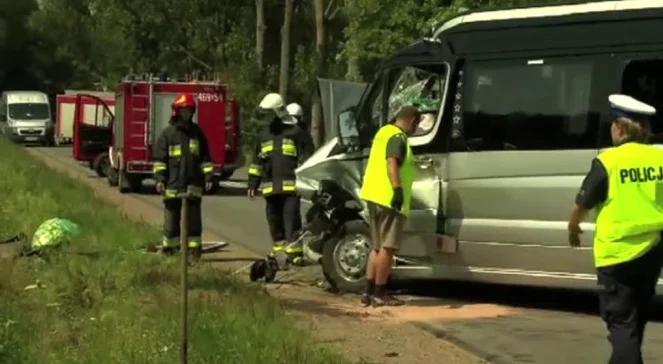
(118, 305)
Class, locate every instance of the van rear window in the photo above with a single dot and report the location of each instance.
(28, 111)
(527, 105)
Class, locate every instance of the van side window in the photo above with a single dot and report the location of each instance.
(525, 105)
(644, 81)
(421, 86)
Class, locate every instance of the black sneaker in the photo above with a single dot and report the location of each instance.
(169, 250)
(386, 300)
(366, 299)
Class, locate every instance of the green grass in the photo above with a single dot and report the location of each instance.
(119, 305)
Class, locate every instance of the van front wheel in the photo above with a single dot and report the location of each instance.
(344, 258)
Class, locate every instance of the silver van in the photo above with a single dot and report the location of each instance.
(25, 116)
(515, 109)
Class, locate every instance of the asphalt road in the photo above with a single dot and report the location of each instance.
(530, 326)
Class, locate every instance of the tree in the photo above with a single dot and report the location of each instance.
(317, 127)
(260, 33)
(285, 48)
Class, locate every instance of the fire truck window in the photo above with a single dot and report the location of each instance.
(643, 80)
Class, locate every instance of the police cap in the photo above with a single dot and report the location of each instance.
(627, 106)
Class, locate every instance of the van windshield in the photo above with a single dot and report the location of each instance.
(28, 111)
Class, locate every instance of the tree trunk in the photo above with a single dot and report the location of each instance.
(260, 33)
(353, 73)
(285, 49)
(317, 122)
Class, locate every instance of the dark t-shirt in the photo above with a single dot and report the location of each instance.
(396, 148)
(594, 188)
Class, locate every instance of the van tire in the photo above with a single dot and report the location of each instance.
(332, 266)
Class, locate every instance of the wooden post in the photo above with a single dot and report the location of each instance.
(184, 244)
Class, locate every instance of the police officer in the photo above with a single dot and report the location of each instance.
(387, 190)
(281, 148)
(182, 165)
(626, 185)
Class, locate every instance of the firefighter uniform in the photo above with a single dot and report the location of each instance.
(182, 164)
(279, 151)
(625, 184)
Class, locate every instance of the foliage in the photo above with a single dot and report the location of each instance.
(100, 300)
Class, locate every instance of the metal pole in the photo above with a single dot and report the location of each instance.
(184, 244)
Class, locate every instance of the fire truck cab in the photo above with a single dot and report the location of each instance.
(143, 111)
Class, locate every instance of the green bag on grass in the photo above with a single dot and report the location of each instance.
(53, 233)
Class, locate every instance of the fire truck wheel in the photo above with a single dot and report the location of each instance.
(226, 174)
(113, 177)
(129, 183)
(101, 165)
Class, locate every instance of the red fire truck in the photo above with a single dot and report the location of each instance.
(142, 112)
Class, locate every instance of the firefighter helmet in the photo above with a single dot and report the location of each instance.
(184, 100)
(295, 109)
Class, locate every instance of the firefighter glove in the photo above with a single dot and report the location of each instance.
(209, 185)
(161, 188)
(397, 199)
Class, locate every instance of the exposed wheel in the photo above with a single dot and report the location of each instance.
(113, 177)
(101, 165)
(344, 258)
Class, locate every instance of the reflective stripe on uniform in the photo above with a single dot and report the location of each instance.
(266, 147)
(289, 148)
(170, 193)
(207, 168)
(169, 242)
(278, 246)
(255, 170)
(159, 167)
(194, 146)
(266, 189)
(294, 249)
(195, 242)
(289, 186)
(175, 151)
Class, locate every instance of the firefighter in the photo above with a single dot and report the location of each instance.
(182, 165)
(295, 110)
(281, 148)
(625, 184)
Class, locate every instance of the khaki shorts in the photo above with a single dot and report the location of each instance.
(386, 226)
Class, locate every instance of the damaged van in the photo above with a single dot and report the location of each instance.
(515, 106)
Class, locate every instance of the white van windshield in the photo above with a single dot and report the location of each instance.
(28, 111)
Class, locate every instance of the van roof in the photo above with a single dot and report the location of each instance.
(15, 97)
(548, 12)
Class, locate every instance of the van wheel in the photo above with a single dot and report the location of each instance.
(101, 165)
(113, 177)
(344, 258)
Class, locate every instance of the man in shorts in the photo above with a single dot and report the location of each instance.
(387, 190)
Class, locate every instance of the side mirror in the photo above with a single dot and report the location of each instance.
(348, 132)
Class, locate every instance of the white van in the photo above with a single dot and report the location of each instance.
(25, 116)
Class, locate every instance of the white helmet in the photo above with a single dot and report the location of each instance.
(295, 109)
(274, 102)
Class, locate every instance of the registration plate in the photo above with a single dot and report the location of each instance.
(31, 139)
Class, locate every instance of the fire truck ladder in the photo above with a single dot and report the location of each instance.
(141, 121)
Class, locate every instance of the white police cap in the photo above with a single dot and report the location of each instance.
(627, 106)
